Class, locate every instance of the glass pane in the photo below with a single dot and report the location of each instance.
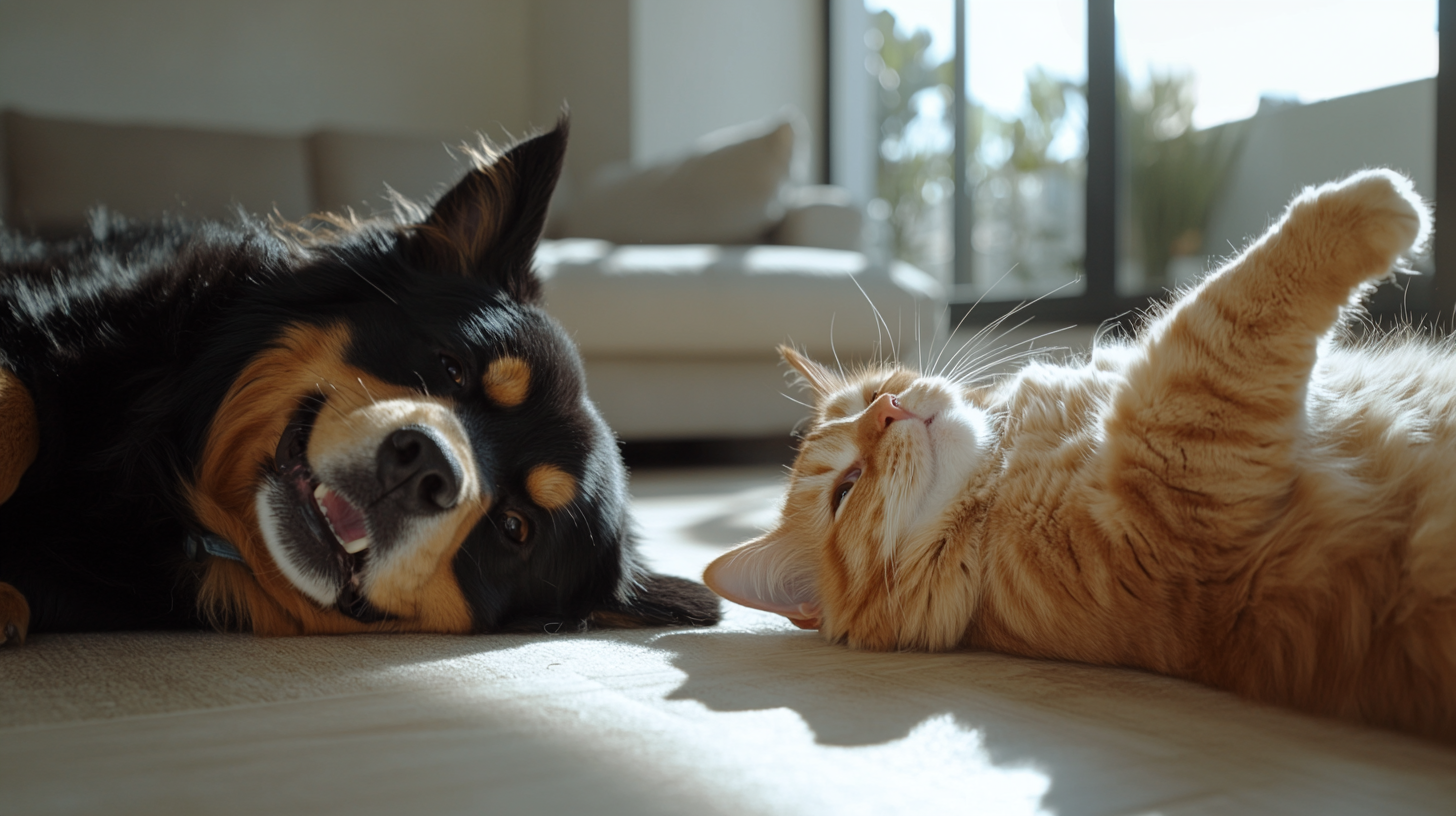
(1227, 108)
(910, 63)
(1026, 158)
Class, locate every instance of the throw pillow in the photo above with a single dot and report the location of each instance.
(728, 191)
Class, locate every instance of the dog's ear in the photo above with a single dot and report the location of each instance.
(488, 225)
(659, 600)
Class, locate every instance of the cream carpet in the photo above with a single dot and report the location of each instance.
(751, 717)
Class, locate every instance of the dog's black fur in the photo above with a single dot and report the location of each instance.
(144, 353)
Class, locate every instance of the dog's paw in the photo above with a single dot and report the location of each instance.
(1375, 214)
(14, 616)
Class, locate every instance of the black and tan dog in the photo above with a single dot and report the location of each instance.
(374, 431)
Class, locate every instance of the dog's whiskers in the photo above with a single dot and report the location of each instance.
(340, 411)
(372, 400)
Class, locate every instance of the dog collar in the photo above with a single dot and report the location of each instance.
(199, 546)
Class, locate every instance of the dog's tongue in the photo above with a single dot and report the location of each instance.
(346, 520)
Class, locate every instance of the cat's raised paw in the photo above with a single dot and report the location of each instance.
(1378, 208)
(14, 616)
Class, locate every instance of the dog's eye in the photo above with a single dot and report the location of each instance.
(842, 489)
(516, 527)
(453, 369)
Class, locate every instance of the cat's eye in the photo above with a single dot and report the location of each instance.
(453, 368)
(515, 526)
(841, 490)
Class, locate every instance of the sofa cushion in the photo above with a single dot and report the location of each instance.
(61, 169)
(728, 191)
(820, 215)
(356, 169)
(699, 300)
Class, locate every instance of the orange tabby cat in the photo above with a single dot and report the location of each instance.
(1228, 499)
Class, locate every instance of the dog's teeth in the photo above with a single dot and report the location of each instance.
(357, 545)
(319, 494)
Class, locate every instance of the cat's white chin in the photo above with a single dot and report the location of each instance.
(957, 438)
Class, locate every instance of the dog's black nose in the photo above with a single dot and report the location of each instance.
(417, 472)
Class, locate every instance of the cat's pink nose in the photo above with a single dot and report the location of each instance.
(887, 409)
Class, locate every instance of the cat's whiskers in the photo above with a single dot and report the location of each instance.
(987, 334)
(986, 358)
(837, 365)
(797, 401)
(991, 371)
(881, 324)
(966, 316)
(971, 373)
(899, 333)
(960, 359)
(919, 358)
(982, 338)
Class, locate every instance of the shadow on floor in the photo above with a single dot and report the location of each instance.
(681, 453)
(1109, 740)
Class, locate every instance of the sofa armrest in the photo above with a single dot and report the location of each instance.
(820, 215)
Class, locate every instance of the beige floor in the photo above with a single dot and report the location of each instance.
(751, 717)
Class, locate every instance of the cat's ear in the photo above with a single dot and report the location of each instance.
(487, 226)
(819, 378)
(766, 574)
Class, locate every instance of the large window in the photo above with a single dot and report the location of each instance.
(1097, 153)
(1221, 121)
(1026, 147)
(909, 68)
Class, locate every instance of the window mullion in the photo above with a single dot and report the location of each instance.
(962, 211)
(1100, 264)
(1442, 305)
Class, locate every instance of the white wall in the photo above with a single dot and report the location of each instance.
(1292, 147)
(644, 78)
(432, 66)
(701, 65)
(855, 130)
(580, 55)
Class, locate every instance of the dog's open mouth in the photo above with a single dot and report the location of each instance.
(336, 526)
(344, 520)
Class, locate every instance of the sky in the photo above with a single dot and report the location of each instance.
(1236, 50)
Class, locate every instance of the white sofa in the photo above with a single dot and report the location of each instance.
(677, 280)
(679, 341)
(681, 278)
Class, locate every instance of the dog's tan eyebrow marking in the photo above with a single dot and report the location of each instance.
(550, 486)
(22, 445)
(507, 381)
